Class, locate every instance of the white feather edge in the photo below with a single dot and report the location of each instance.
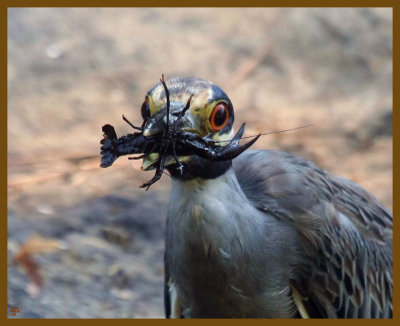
(175, 305)
(298, 300)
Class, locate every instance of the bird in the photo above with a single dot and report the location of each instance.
(265, 234)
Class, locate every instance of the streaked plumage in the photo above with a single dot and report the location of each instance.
(270, 235)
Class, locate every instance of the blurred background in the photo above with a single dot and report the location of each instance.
(86, 242)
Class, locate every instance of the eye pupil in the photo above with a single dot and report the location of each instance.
(145, 110)
(219, 116)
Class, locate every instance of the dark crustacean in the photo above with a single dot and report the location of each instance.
(170, 142)
(113, 147)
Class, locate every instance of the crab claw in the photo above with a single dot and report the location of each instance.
(233, 149)
(205, 148)
(109, 132)
(238, 135)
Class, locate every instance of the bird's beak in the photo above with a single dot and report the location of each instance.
(156, 124)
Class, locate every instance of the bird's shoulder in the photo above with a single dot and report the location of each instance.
(293, 188)
(345, 234)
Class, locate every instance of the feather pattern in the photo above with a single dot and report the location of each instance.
(339, 251)
(336, 239)
(345, 234)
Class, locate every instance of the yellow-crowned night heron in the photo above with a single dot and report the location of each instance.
(266, 234)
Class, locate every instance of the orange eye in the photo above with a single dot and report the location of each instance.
(219, 116)
(145, 109)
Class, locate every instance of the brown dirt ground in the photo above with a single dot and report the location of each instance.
(95, 240)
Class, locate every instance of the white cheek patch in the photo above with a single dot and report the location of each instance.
(223, 139)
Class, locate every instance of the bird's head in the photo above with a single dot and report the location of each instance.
(209, 115)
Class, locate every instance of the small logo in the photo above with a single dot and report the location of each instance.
(14, 310)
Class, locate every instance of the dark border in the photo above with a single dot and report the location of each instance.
(175, 3)
(204, 3)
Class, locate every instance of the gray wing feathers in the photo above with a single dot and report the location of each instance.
(344, 269)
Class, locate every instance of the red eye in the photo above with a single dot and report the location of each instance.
(219, 116)
(145, 109)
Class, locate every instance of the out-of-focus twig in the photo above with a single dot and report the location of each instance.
(35, 245)
(251, 63)
(48, 169)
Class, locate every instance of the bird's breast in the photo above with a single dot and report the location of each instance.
(217, 249)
